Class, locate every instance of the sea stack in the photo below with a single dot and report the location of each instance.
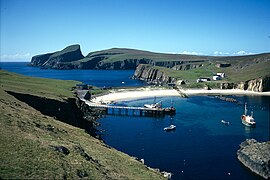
(255, 156)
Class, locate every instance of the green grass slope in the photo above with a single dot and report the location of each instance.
(121, 54)
(28, 139)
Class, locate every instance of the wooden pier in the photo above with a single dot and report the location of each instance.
(133, 111)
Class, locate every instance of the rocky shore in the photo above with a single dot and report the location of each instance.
(255, 156)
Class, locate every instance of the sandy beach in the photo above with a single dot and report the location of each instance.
(141, 93)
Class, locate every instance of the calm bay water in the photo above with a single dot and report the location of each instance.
(201, 147)
(99, 78)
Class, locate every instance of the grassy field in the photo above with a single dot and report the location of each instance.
(35, 146)
(54, 89)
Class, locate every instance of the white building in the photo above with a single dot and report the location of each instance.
(203, 80)
(216, 77)
(222, 75)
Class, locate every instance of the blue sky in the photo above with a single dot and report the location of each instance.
(212, 27)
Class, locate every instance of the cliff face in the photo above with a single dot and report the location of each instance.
(257, 85)
(151, 75)
(58, 59)
(186, 66)
(255, 156)
(39, 60)
(126, 64)
(73, 111)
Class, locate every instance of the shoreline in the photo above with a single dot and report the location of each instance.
(141, 93)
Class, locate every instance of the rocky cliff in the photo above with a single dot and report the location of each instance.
(72, 111)
(257, 85)
(186, 66)
(59, 59)
(255, 156)
(98, 63)
(151, 75)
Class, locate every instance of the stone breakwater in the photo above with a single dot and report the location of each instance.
(255, 156)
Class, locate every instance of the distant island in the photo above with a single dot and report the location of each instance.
(251, 72)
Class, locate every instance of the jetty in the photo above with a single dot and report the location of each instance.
(132, 111)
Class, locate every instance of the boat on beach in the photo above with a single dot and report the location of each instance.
(170, 128)
(248, 120)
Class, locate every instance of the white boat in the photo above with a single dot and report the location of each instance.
(248, 120)
(225, 122)
(170, 128)
(153, 106)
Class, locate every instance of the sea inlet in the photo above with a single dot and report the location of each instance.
(201, 147)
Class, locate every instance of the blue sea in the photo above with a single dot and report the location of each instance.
(99, 78)
(201, 147)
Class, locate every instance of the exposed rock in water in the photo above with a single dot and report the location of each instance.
(151, 75)
(255, 156)
(227, 99)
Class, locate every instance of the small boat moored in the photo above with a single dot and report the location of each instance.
(170, 128)
(248, 120)
(225, 122)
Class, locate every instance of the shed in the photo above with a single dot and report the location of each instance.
(203, 80)
(223, 65)
(221, 74)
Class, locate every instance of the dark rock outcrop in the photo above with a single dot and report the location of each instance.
(60, 59)
(185, 67)
(128, 64)
(255, 156)
(61, 149)
(151, 75)
(39, 60)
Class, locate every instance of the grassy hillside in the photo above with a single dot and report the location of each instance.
(120, 54)
(243, 70)
(34, 145)
(53, 89)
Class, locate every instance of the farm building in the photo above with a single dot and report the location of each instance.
(222, 75)
(216, 77)
(203, 80)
